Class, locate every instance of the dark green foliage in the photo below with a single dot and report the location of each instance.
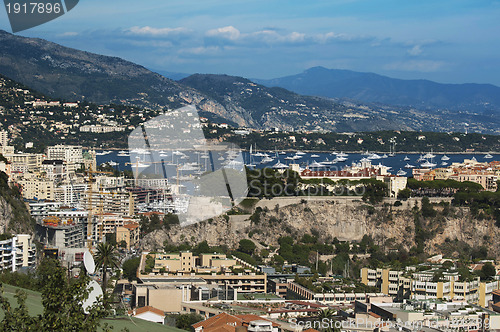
(28, 281)
(130, 267)
(444, 184)
(486, 202)
(487, 271)
(246, 257)
(246, 246)
(106, 257)
(150, 264)
(404, 194)
(427, 208)
(111, 238)
(61, 299)
(185, 321)
(201, 248)
(375, 191)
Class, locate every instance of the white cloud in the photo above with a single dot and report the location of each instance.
(201, 50)
(156, 32)
(274, 36)
(415, 50)
(68, 34)
(229, 32)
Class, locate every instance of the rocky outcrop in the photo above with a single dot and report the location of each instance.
(344, 219)
(14, 217)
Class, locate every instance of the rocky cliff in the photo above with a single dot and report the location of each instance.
(451, 231)
(14, 216)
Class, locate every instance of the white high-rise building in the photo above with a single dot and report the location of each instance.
(68, 153)
(17, 252)
(4, 138)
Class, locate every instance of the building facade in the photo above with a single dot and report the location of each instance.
(17, 252)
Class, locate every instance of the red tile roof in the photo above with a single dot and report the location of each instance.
(250, 318)
(213, 324)
(131, 226)
(219, 320)
(142, 310)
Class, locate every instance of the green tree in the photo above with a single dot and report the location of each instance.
(404, 194)
(427, 208)
(247, 246)
(106, 257)
(61, 300)
(328, 316)
(488, 271)
(130, 267)
(186, 320)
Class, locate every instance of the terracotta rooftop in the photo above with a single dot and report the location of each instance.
(131, 226)
(217, 323)
(142, 310)
(218, 320)
(250, 318)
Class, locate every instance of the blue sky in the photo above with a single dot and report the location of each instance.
(449, 41)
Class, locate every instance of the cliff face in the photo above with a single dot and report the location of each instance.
(346, 219)
(14, 216)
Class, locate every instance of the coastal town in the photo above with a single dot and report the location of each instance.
(75, 206)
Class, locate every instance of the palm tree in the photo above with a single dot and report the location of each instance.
(106, 257)
(327, 316)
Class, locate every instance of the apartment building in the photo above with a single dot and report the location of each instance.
(186, 262)
(424, 285)
(68, 153)
(486, 179)
(119, 202)
(37, 188)
(63, 229)
(17, 252)
(298, 292)
(184, 268)
(485, 174)
(53, 169)
(72, 155)
(128, 233)
(4, 138)
(394, 183)
(25, 162)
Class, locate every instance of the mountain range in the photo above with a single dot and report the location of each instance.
(369, 87)
(71, 74)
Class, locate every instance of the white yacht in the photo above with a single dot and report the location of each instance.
(315, 164)
(428, 164)
(266, 160)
